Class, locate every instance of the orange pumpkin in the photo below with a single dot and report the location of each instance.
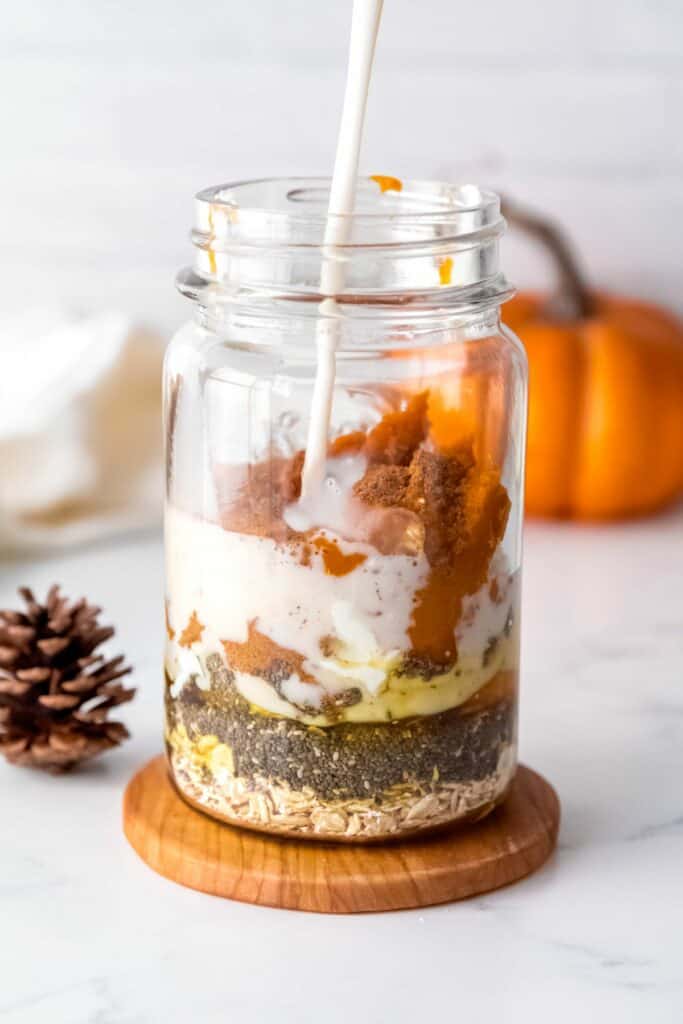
(605, 434)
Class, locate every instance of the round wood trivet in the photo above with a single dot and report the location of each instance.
(190, 848)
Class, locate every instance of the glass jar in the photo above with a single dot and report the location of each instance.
(343, 663)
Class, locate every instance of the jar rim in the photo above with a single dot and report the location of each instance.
(264, 239)
(387, 211)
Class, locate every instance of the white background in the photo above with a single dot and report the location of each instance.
(114, 113)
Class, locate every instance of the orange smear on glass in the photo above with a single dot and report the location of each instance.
(335, 561)
(387, 183)
(445, 270)
(170, 632)
(212, 254)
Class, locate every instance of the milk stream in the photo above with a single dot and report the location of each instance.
(364, 28)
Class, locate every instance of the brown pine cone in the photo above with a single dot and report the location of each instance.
(55, 693)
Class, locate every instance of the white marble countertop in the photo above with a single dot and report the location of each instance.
(91, 936)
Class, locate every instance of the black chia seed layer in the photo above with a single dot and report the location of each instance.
(349, 759)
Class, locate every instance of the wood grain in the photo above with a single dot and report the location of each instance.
(188, 847)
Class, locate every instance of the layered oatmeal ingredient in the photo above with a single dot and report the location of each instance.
(362, 667)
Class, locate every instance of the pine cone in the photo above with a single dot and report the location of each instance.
(55, 693)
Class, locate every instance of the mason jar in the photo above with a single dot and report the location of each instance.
(343, 652)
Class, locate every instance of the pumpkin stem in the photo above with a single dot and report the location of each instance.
(571, 299)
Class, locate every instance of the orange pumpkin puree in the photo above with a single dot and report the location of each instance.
(461, 507)
(396, 437)
(463, 510)
(335, 561)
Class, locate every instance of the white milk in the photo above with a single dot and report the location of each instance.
(364, 28)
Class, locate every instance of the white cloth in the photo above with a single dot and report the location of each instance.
(80, 428)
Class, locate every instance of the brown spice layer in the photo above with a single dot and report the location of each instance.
(261, 656)
(413, 497)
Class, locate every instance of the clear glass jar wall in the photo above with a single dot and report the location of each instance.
(344, 666)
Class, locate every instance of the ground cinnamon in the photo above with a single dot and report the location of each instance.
(192, 633)
(261, 656)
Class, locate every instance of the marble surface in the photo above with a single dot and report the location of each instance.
(91, 936)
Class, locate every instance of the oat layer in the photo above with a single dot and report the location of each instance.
(269, 805)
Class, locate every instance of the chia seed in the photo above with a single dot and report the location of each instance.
(349, 758)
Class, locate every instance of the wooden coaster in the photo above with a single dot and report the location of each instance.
(191, 848)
